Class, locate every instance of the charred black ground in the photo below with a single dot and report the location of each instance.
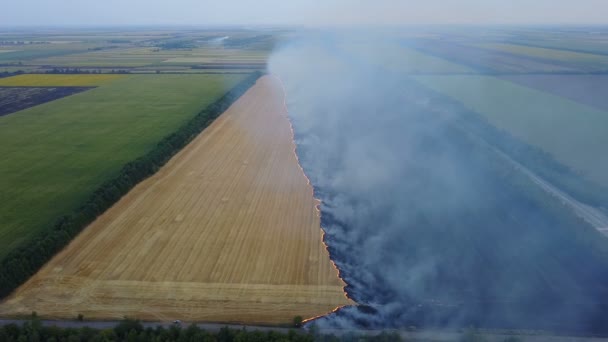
(14, 99)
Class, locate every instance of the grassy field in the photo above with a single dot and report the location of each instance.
(492, 61)
(586, 61)
(573, 133)
(582, 44)
(402, 59)
(14, 99)
(57, 80)
(56, 154)
(25, 53)
(132, 57)
(228, 230)
(585, 89)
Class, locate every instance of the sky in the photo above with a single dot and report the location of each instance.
(300, 12)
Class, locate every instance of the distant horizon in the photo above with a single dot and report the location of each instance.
(34, 13)
(294, 26)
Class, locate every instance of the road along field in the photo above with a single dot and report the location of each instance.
(227, 231)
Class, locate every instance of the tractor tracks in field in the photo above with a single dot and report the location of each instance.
(596, 218)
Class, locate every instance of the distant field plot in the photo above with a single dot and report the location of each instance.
(128, 57)
(585, 89)
(38, 80)
(402, 59)
(117, 57)
(577, 44)
(55, 154)
(28, 52)
(227, 231)
(583, 61)
(488, 61)
(575, 134)
(13, 99)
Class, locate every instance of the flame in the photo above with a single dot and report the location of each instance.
(317, 205)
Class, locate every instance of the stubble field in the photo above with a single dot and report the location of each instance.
(226, 231)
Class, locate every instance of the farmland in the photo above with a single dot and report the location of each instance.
(14, 99)
(428, 220)
(585, 89)
(402, 59)
(575, 137)
(60, 151)
(136, 52)
(582, 61)
(488, 61)
(456, 172)
(57, 80)
(226, 231)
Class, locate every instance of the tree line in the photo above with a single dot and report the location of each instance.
(85, 71)
(21, 263)
(133, 331)
(9, 74)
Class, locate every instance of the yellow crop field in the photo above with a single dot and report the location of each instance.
(53, 80)
(227, 231)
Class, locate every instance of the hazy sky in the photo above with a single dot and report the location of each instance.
(300, 12)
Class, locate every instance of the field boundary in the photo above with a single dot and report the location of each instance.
(20, 264)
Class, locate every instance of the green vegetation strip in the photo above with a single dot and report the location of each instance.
(56, 154)
(395, 57)
(22, 262)
(572, 133)
(132, 330)
(587, 61)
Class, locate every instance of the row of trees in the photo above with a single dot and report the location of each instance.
(85, 71)
(23, 262)
(134, 331)
(9, 74)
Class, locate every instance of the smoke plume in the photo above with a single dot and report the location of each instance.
(427, 223)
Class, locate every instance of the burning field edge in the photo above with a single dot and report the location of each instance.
(317, 208)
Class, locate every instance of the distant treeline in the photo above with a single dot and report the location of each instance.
(130, 330)
(230, 66)
(9, 74)
(234, 42)
(23, 262)
(177, 45)
(21, 42)
(86, 71)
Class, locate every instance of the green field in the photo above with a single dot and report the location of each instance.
(576, 43)
(395, 57)
(573, 133)
(55, 154)
(28, 52)
(587, 60)
(37, 80)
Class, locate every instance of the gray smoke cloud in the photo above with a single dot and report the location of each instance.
(427, 224)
